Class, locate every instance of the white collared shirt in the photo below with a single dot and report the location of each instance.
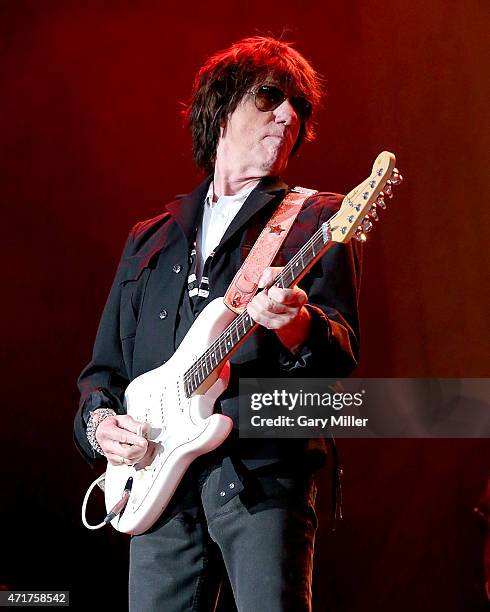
(217, 216)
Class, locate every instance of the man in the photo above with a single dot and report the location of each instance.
(248, 505)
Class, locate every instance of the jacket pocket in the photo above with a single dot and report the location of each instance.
(133, 288)
(127, 346)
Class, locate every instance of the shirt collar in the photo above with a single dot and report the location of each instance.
(237, 198)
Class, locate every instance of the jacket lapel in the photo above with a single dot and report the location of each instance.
(186, 210)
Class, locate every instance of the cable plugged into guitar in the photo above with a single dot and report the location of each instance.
(117, 509)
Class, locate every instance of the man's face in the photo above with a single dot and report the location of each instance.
(255, 143)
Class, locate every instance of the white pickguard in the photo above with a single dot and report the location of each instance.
(181, 428)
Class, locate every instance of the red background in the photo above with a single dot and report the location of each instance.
(92, 141)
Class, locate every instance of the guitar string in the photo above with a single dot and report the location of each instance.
(223, 339)
(201, 369)
(234, 326)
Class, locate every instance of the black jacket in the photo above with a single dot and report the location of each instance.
(137, 329)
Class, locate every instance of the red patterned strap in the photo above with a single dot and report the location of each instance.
(245, 284)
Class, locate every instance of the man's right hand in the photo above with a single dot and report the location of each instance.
(123, 439)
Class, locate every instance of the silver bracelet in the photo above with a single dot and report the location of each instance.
(96, 418)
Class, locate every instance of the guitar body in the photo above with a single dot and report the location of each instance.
(182, 428)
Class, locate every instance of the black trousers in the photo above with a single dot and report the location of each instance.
(263, 539)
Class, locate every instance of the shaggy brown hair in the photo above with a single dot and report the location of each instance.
(227, 75)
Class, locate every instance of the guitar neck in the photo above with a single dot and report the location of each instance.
(305, 258)
(243, 325)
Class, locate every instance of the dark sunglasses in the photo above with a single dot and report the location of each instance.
(269, 97)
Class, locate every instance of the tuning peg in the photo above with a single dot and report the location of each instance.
(396, 177)
(380, 200)
(388, 189)
(373, 213)
(367, 226)
(359, 235)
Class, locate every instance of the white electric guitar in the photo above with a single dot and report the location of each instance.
(177, 399)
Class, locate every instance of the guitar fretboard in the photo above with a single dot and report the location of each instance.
(243, 324)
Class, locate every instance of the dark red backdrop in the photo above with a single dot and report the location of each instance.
(92, 141)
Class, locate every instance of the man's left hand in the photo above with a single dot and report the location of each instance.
(282, 310)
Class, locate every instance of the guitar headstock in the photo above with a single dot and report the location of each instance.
(361, 206)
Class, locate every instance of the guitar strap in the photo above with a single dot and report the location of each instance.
(245, 284)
